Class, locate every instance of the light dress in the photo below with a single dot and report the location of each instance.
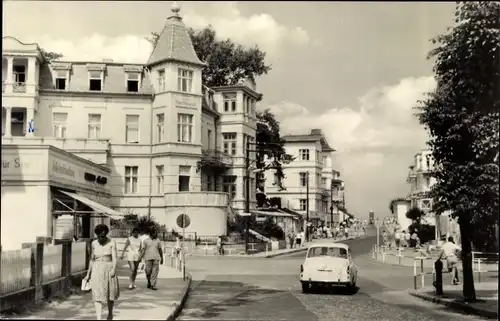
(134, 249)
(104, 287)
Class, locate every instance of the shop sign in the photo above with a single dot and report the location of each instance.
(63, 169)
(12, 163)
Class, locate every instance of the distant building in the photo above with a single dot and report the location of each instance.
(161, 142)
(313, 162)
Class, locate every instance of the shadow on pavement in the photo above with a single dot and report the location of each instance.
(240, 301)
(334, 290)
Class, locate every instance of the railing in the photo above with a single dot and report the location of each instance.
(202, 199)
(19, 87)
(212, 157)
(28, 273)
(423, 266)
(70, 144)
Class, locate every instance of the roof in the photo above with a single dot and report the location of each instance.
(174, 42)
(323, 244)
(315, 136)
(274, 213)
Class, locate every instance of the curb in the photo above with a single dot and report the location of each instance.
(304, 248)
(177, 307)
(456, 305)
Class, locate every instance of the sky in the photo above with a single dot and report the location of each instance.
(354, 70)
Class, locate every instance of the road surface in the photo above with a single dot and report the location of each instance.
(229, 288)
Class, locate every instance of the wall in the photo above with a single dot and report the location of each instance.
(25, 214)
(401, 209)
(205, 221)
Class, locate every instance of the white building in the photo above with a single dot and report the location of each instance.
(313, 162)
(421, 181)
(165, 143)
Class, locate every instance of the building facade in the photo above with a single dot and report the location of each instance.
(171, 144)
(312, 166)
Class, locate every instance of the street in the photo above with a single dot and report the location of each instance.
(268, 289)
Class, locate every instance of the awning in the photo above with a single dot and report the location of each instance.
(271, 213)
(98, 208)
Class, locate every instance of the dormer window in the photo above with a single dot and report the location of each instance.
(61, 79)
(20, 74)
(133, 80)
(95, 80)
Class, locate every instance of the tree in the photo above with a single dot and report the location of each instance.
(50, 56)
(415, 214)
(227, 62)
(270, 144)
(462, 118)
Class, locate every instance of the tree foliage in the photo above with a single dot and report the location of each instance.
(50, 56)
(415, 214)
(270, 144)
(462, 118)
(227, 62)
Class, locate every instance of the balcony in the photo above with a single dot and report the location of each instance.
(337, 182)
(19, 87)
(68, 144)
(325, 192)
(196, 199)
(212, 159)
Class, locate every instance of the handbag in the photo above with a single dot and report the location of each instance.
(86, 285)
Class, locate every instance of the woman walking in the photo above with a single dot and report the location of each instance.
(134, 246)
(102, 272)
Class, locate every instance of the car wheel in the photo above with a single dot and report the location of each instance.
(305, 287)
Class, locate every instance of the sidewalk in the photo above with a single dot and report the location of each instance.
(275, 253)
(138, 304)
(486, 292)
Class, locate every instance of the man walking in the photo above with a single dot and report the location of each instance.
(153, 256)
(450, 252)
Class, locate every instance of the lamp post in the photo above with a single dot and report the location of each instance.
(306, 230)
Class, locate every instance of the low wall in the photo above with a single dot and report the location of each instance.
(40, 271)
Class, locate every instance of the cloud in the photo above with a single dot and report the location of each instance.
(258, 29)
(383, 118)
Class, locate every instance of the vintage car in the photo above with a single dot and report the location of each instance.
(328, 264)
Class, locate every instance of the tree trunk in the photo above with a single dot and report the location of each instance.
(469, 292)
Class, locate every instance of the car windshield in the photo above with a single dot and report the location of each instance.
(328, 251)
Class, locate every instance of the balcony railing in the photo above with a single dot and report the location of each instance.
(69, 144)
(211, 158)
(19, 87)
(198, 199)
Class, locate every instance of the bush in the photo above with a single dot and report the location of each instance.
(425, 232)
(147, 224)
(415, 214)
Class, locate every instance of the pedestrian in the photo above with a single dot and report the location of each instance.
(346, 231)
(144, 234)
(102, 272)
(407, 238)
(303, 238)
(153, 257)
(384, 238)
(337, 232)
(298, 239)
(220, 248)
(134, 246)
(450, 252)
(397, 238)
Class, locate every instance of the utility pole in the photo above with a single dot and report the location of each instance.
(247, 194)
(331, 205)
(307, 207)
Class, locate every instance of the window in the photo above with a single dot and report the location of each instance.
(159, 179)
(209, 139)
(20, 74)
(59, 123)
(304, 154)
(131, 177)
(94, 128)
(248, 105)
(161, 80)
(426, 204)
(184, 80)
(133, 82)
(160, 127)
(95, 80)
(325, 161)
(229, 143)
(132, 128)
(229, 102)
(323, 182)
(184, 174)
(328, 251)
(60, 83)
(184, 128)
(229, 186)
(18, 120)
(303, 179)
(303, 204)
